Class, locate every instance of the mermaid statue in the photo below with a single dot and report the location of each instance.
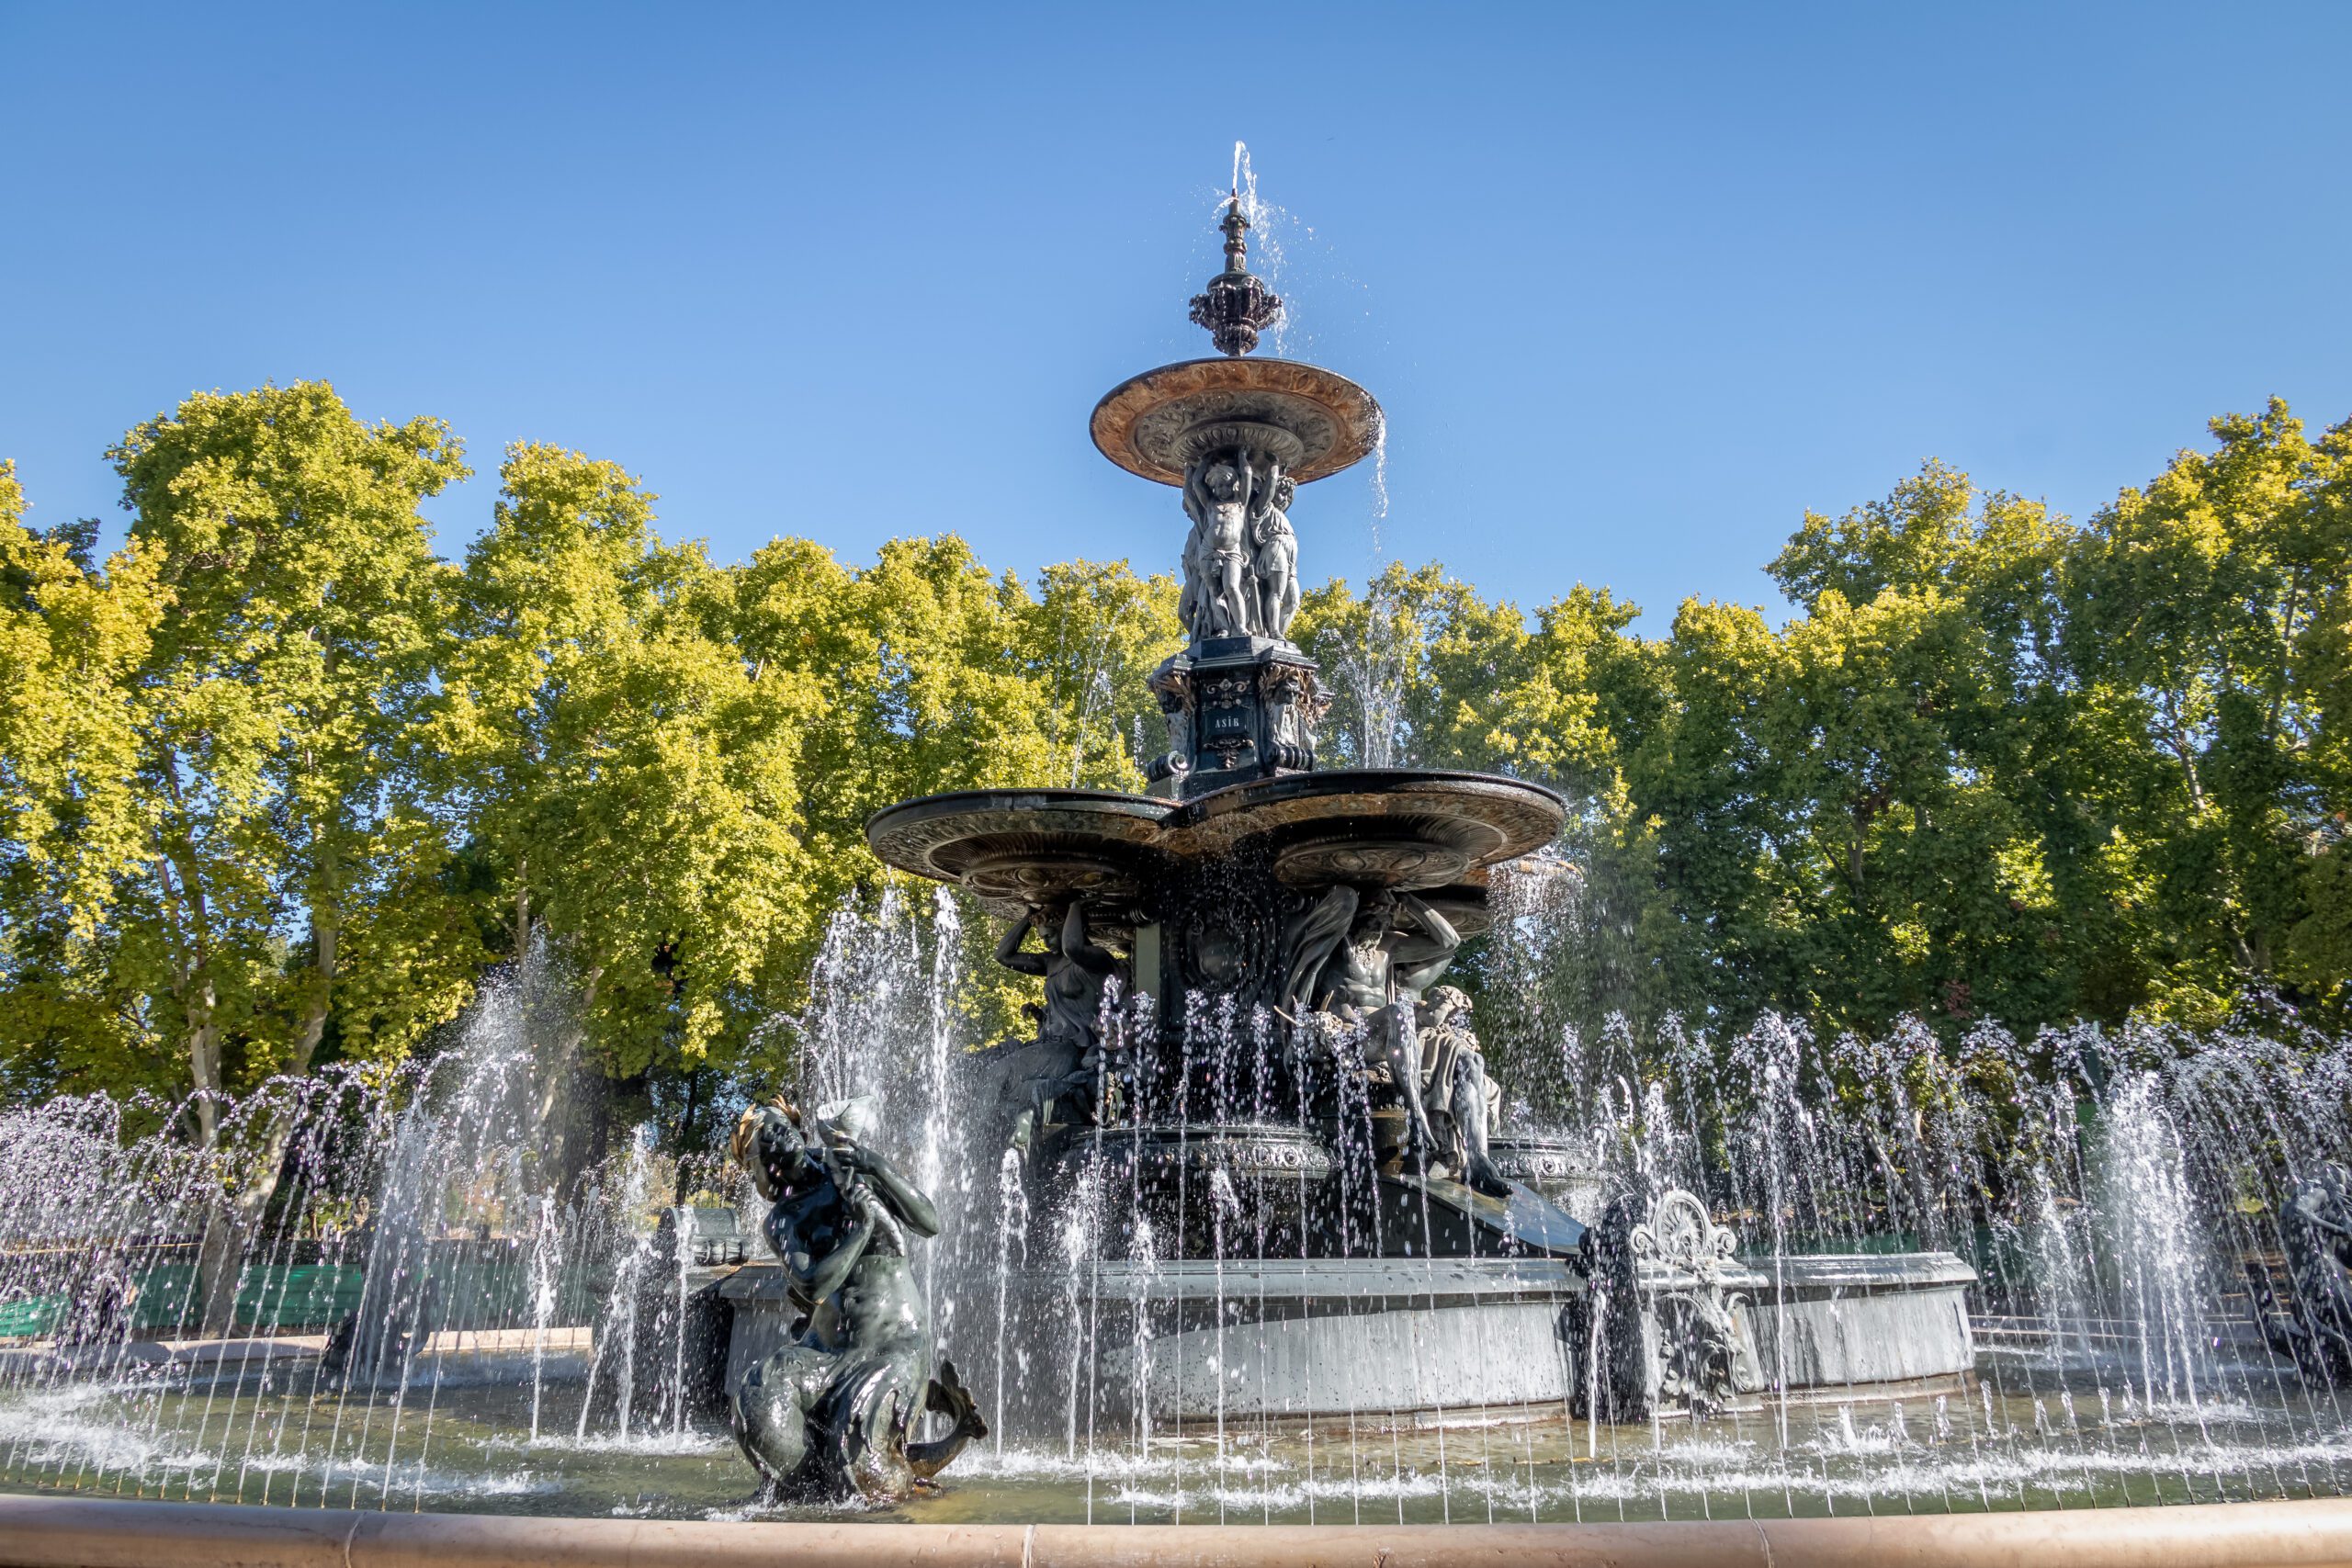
(837, 1415)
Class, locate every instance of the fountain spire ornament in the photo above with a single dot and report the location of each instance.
(1236, 305)
(1236, 437)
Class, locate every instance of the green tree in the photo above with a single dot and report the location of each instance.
(2207, 607)
(298, 647)
(1414, 668)
(627, 780)
(1092, 638)
(73, 824)
(1908, 733)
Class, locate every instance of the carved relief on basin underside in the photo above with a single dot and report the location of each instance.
(1025, 878)
(1407, 863)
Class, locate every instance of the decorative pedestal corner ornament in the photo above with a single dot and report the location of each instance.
(837, 1413)
(1660, 1325)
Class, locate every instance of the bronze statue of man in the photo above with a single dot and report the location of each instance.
(1365, 958)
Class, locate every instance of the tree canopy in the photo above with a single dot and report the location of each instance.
(279, 784)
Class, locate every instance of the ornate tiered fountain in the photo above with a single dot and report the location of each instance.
(1272, 1121)
(1241, 1228)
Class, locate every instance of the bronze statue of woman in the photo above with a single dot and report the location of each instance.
(831, 1416)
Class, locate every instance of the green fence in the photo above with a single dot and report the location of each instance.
(476, 1285)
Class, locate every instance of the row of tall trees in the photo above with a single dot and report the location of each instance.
(278, 782)
(1996, 766)
(278, 785)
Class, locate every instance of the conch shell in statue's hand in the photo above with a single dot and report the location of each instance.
(850, 1120)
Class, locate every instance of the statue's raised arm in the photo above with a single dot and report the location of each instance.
(1079, 948)
(908, 1202)
(1009, 951)
(1436, 940)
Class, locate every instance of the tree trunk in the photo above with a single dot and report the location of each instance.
(686, 1134)
(2177, 739)
(571, 1103)
(522, 911)
(313, 1026)
(245, 1208)
(220, 1257)
(204, 1058)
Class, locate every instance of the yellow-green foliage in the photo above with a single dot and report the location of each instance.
(278, 783)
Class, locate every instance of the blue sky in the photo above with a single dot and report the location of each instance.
(1637, 285)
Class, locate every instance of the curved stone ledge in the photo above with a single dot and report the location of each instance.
(75, 1532)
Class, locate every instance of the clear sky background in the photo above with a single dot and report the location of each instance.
(1637, 285)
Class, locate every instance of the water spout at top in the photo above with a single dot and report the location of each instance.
(1235, 306)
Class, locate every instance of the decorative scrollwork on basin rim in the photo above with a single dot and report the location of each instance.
(1683, 1236)
(1238, 1151)
(1534, 1162)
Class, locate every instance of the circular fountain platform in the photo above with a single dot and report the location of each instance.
(1012, 849)
(1394, 827)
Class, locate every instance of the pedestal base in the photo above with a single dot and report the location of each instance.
(1238, 709)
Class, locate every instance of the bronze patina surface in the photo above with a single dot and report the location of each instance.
(1017, 848)
(1316, 421)
(1416, 828)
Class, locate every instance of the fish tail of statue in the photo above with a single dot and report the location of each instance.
(770, 1424)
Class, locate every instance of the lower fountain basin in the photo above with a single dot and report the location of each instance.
(1423, 1342)
(1417, 1341)
(1847, 1320)
(1453, 1341)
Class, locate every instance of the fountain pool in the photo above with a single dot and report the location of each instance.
(1263, 1222)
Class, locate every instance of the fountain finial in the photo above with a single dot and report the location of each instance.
(1234, 224)
(1237, 306)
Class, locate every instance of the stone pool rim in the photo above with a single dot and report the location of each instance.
(47, 1531)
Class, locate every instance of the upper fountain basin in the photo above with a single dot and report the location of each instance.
(1314, 422)
(1016, 849)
